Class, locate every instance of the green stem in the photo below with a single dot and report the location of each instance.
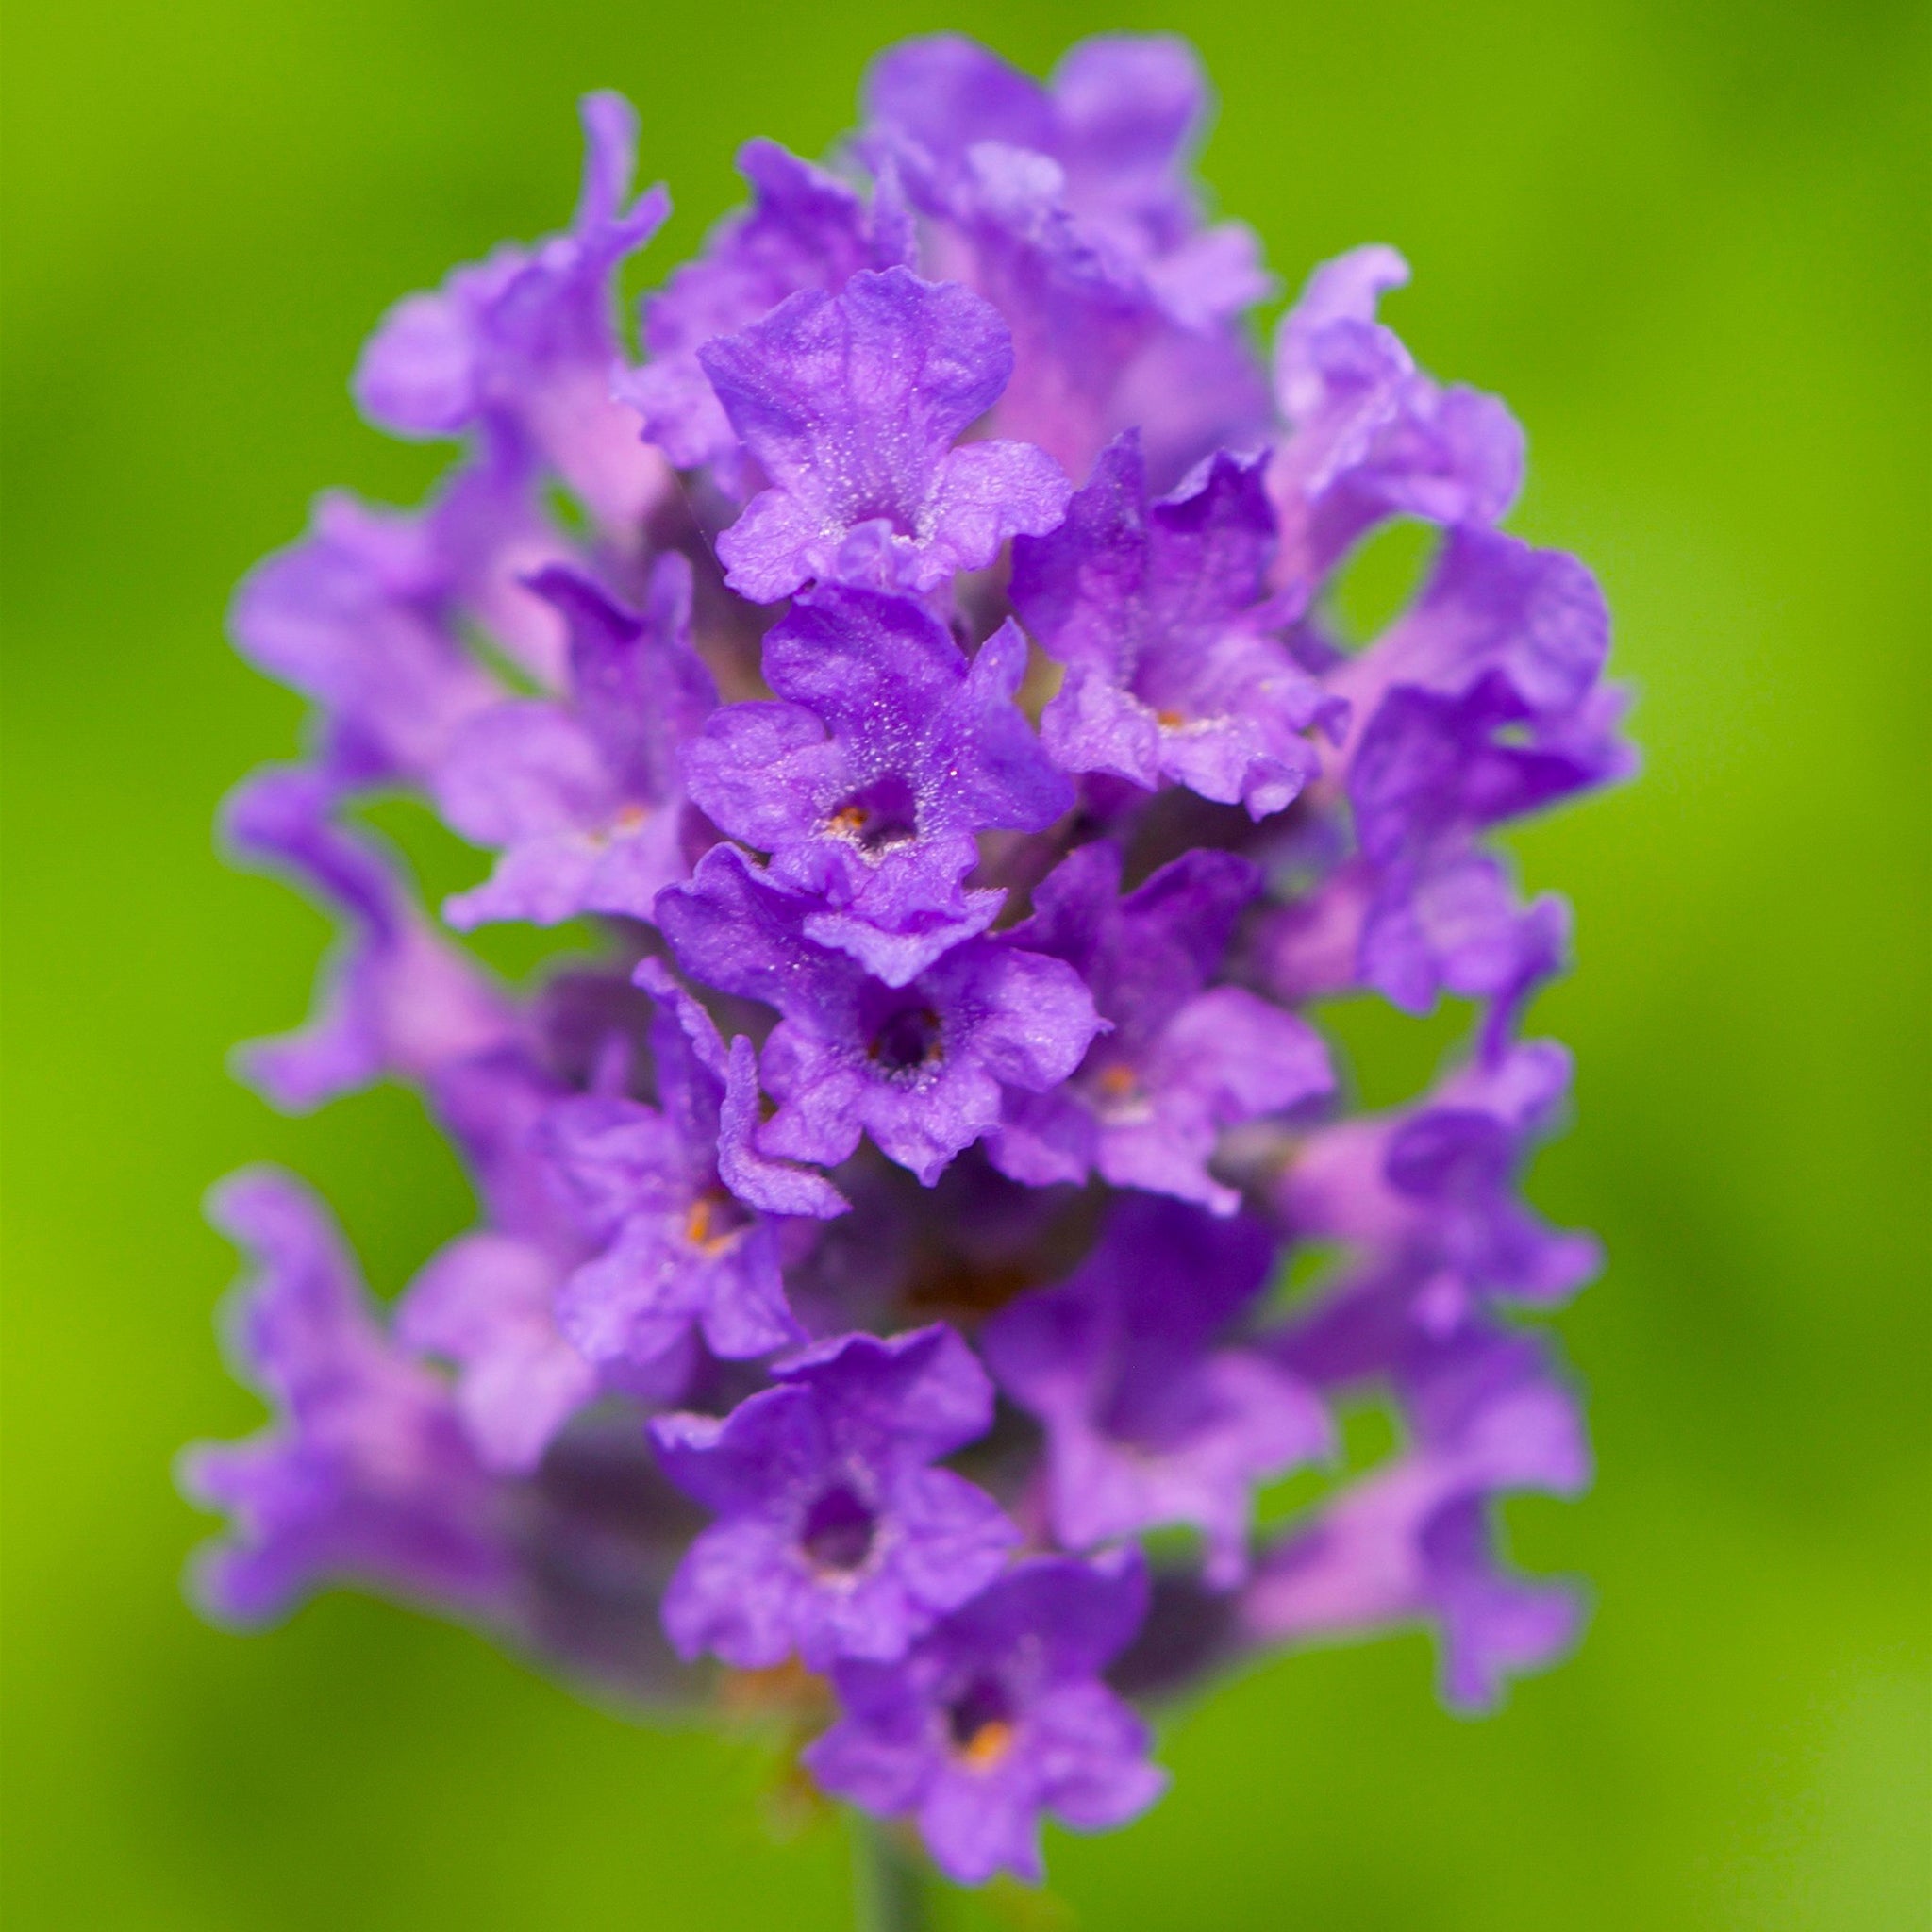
(894, 1895)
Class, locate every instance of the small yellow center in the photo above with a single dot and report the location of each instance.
(988, 1744)
(1170, 719)
(700, 1226)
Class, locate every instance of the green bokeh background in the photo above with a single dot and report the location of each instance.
(1689, 242)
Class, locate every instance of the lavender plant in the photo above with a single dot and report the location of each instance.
(880, 1297)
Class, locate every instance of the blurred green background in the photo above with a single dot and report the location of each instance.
(1689, 242)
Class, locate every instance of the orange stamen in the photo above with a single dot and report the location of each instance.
(988, 1744)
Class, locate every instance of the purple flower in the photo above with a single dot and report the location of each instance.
(1153, 609)
(365, 1477)
(371, 615)
(1149, 1420)
(1099, 1119)
(1451, 922)
(486, 1303)
(1429, 768)
(521, 347)
(1178, 1065)
(1480, 705)
(1118, 120)
(921, 1067)
(1372, 437)
(1068, 207)
(1446, 920)
(1426, 1199)
(583, 796)
(853, 403)
(352, 617)
(1413, 1540)
(1524, 630)
(1103, 343)
(868, 784)
(674, 1201)
(999, 1716)
(836, 1535)
(805, 229)
(397, 999)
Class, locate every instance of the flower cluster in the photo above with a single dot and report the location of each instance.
(917, 657)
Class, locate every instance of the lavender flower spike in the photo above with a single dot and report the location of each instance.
(893, 1236)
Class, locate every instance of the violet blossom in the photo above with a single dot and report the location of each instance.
(367, 1472)
(672, 1200)
(1179, 1060)
(853, 404)
(868, 784)
(911, 661)
(1148, 1421)
(1415, 1540)
(1070, 206)
(1158, 612)
(837, 1537)
(584, 796)
(518, 348)
(1000, 1715)
(805, 229)
(922, 1067)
